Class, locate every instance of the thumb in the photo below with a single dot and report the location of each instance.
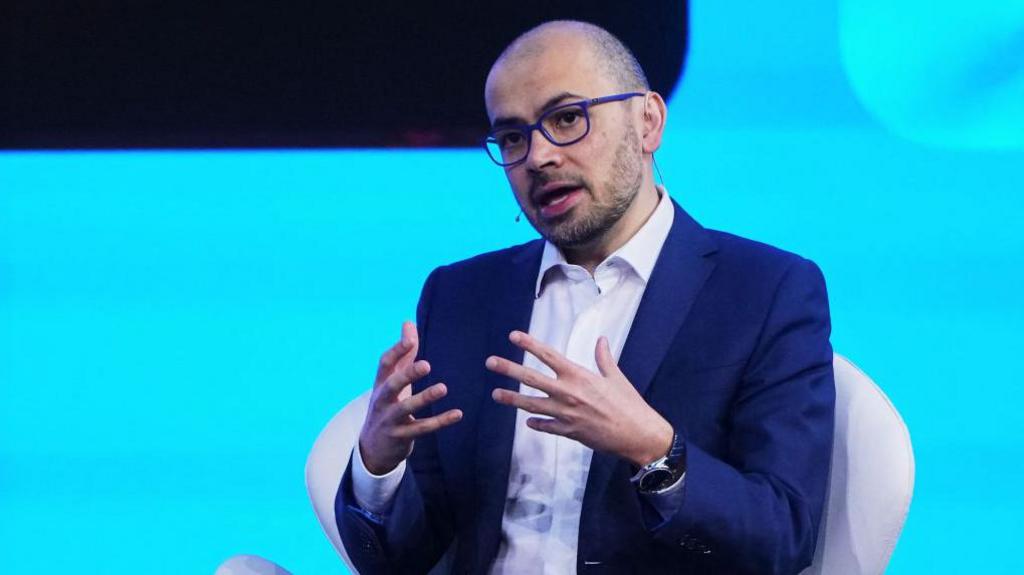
(605, 361)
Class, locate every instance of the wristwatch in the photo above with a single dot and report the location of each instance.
(657, 476)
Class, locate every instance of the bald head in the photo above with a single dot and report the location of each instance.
(614, 60)
(574, 101)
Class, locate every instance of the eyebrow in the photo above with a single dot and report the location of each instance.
(551, 103)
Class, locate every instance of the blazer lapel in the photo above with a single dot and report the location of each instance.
(513, 307)
(678, 275)
(680, 272)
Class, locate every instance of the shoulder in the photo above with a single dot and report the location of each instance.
(752, 264)
(757, 261)
(752, 277)
(738, 250)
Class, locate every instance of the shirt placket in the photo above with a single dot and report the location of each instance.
(572, 459)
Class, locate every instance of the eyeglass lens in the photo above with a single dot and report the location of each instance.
(560, 126)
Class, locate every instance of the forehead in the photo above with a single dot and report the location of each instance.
(520, 84)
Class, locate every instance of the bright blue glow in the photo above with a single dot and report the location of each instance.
(175, 328)
(943, 73)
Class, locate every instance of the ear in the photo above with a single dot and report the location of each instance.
(654, 115)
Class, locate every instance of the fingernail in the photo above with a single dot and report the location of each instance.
(496, 395)
(514, 336)
(491, 362)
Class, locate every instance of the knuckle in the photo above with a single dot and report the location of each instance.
(377, 405)
(395, 434)
(505, 368)
(572, 400)
(569, 417)
(414, 403)
(381, 414)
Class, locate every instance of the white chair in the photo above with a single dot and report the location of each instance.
(249, 565)
(326, 464)
(870, 485)
(871, 481)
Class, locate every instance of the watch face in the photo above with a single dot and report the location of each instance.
(655, 479)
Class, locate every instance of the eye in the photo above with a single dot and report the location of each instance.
(509, 139)
(568, 118)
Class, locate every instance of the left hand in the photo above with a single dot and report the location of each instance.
(602, 411)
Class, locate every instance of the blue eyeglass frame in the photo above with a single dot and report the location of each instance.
(527, 129)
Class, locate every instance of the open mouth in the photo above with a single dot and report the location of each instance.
(557, 200)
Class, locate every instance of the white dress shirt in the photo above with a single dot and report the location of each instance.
(548, 473)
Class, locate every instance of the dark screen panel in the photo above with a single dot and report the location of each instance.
(307, 73)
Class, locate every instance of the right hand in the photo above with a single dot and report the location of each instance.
(390, 428)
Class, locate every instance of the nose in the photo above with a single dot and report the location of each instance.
(542, 153)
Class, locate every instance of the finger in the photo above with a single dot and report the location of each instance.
(401, 378)
(428, 425)
(545, 353)
(605, 360)
(529, 376)
(389, 359)
(407, 343)
(552, 426)
(413, 404)
(536, 405)
(410, 334)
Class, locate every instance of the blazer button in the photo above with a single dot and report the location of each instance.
(691, 543)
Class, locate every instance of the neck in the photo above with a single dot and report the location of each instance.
(589, 256)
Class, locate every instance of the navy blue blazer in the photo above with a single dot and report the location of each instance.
(730, 344)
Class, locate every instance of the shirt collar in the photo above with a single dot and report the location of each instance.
(640, 252)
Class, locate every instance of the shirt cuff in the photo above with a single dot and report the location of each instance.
(374, 493)
(667, 502)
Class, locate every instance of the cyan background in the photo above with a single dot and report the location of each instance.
(176, 327)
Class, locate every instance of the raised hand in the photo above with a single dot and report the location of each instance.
(600, 410)
(390, 428)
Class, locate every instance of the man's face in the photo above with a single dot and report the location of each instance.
(573, 195)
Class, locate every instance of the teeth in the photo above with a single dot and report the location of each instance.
(559, 197)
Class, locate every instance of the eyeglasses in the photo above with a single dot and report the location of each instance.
(562, 126)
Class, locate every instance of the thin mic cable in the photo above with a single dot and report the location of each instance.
(519, 216)
(657, 170)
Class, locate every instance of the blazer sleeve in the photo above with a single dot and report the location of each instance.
(417, 532)
(759, 509)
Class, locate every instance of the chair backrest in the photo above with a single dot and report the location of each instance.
(326, 464)
(870, 484)
(871, 481)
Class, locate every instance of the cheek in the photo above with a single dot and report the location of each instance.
(520, 184)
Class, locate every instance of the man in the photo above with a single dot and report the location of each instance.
(631, 393)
